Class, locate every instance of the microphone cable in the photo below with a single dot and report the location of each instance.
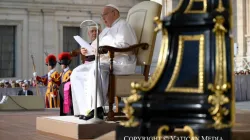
(15, 102)
(100, 86)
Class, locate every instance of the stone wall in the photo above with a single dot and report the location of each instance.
(241, 31)
(40, 22)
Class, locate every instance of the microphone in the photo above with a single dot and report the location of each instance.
(84, 23)
(87, 25)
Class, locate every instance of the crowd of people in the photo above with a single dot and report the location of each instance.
(18, 83)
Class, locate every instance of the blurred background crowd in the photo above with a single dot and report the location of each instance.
(18, 83)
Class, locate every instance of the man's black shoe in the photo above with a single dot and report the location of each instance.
(89, 116)
(82, 117)
(100, 114)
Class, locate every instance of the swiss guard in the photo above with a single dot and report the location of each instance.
(66, 106)
(52, 80)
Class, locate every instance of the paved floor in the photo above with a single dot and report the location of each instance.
(22, 125)
(243, 105)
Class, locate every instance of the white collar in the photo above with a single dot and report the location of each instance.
(66, 69)
(51, 71)
(115, 22)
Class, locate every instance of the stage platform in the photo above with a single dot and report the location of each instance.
(73, 127)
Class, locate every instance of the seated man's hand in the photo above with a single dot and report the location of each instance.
(84, 51)
(49, 78)
(34, 74)
(52, 95)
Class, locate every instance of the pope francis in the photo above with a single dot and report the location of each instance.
(118, 33)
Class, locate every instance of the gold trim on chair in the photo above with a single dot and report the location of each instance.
(184, 129)
(129, 110)
(161, 129)
(232, 68)
(146, 86)
(176, 9)
(221, 85)
(220, 7)
(190, 6)
(200, 89)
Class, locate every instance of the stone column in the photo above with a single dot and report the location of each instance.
(34, 38)
(248, 47)
(240, 29)
(49, 34)
(248, 44)
(247, 27)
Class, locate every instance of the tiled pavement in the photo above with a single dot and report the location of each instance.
(22, 125)
(243, 105)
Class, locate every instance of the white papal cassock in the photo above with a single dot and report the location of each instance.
(119, 35)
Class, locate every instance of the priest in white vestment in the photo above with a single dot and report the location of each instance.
(118, 33)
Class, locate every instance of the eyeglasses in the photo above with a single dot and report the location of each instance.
(102, 15)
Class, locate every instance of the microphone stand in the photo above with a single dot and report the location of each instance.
(95, 119)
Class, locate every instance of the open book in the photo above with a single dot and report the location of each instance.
(84, 44)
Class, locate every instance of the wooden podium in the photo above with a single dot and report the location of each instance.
(191, 92)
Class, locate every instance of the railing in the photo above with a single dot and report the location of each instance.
(242, 63)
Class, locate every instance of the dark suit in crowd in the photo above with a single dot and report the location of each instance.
(22, 92)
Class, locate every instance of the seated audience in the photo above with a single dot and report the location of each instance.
(25, 90)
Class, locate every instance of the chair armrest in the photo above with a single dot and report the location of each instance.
(105, 49)
(77, 52)
(111, 50)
